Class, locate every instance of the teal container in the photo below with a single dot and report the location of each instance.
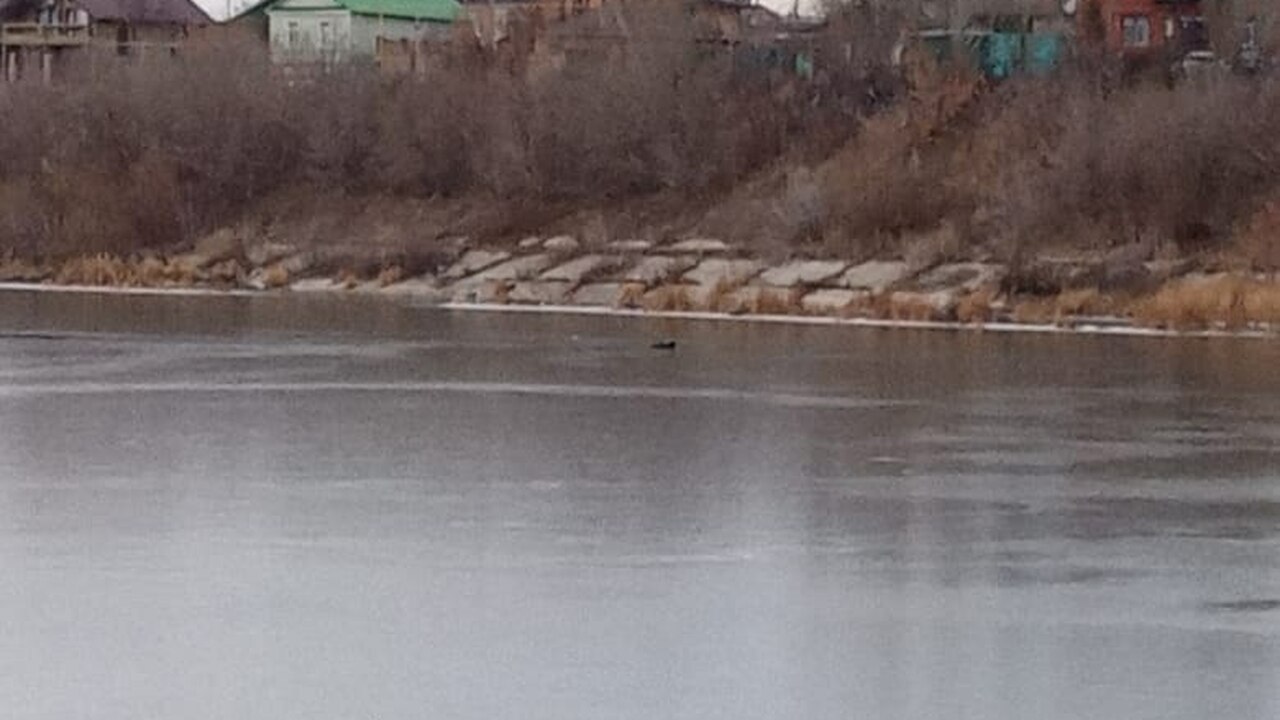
(1001, 54)
(1044, 52)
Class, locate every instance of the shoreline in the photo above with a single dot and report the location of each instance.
(1097, 326)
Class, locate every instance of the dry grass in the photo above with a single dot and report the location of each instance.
(911, 307)
(275, 277)
(1262, 303)
(347, 279)
(391, 275)
(22, 270)
(669, 298)
(150, 272)
(101, 270)
(722, 298)
(632, 295)
(1034, 311)
(769, 301)
(873, 305)
(158, 272)
(1083, 302)
(977, 308)
(1229, 302)
(1060, 309)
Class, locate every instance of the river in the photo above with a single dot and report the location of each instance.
(290, 507)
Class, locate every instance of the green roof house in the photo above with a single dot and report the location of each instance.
(341, 30)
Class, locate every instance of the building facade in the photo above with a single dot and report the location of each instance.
(307, 31)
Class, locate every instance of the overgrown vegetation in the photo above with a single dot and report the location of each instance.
(920, 161)
(118, 157)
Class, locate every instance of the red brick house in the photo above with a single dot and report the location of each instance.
(1137, 29)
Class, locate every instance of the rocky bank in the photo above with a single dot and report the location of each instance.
(711, 276)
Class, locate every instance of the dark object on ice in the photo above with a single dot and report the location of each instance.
(664, 345)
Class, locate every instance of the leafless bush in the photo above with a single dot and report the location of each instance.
(119, 157)
(1151, 164)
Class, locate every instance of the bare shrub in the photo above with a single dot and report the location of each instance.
(861, 157)
(127, 156)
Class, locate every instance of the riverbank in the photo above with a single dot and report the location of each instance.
(707, 279)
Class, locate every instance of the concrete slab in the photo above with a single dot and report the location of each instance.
(316, 285)
(874, 275)
(831, 301)
(658, 269)
(719, 270)
(561, 244)
(268, 253)
(539, 292)
(629, 246)
(520, 268)
(802, 272)
(480, 292)
(967, 276)
(579, 268)
(473, 261)
(600, 294)
(424, 287)
(701, 246)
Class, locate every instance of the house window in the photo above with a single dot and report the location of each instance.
(295, 36)
(326, 37)
(1136, 30)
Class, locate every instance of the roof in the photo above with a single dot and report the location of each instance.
(147, 12)
(441, 10)
(436, 10)
(15, 9)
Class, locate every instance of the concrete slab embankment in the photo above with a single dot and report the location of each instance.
(706, 275)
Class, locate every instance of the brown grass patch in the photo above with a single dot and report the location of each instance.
(915, 307)
(976, 308)
(158, 272)
(1060, 308)
(769, 301)
(669, 298)
(721, 298)
(1262, 303)
(275, 277)
(1196, 304)
(1229, 302)
(631, 295)
(348, 279)
(911, 310)
(391, 275)
(1035, 311)
(1083, 302)
(20, 270)
(102, 270)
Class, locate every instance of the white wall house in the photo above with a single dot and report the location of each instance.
(342, 30)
